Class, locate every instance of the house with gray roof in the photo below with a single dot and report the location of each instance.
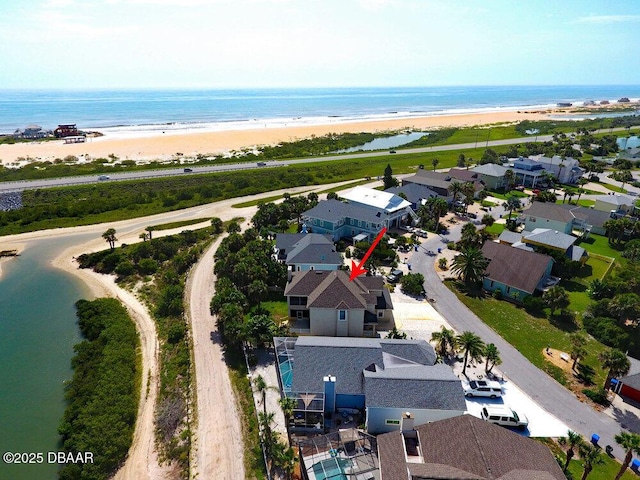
(307, 251)
(463, 448)
(616, 202)
(628, 387)
(366, 213)
(547, 239)
(565, 218)
(379, 377)
(516, 272)
(492, 175)
(415, 193)
(437, 181)
(327, 303)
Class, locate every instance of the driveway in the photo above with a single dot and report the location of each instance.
(537, 385)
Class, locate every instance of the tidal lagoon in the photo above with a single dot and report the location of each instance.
(38, 329)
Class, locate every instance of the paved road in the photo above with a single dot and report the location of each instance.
(549, 394)
(87, 179)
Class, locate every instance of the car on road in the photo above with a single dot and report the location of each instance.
(188, 170)
(392, 151)
(483, 388)
(262, 164)
(504, 416)
(104, 177)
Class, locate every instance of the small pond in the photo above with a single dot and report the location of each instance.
(385, 143)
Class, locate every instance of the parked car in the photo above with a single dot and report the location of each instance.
(104, 177)
(483, 388)
(504, 416)
(394, 276)
(421, 233)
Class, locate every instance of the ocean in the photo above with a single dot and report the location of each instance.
(225, 109)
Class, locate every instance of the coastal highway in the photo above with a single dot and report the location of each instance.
(166, 172)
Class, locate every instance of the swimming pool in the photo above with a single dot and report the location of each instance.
(286, 375)
(331, 469)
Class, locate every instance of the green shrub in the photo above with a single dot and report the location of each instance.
(599, 396)
(497, 294)
(534, 305)
(413, 284)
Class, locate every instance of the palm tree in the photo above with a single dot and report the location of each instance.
(150, 229)
(435, 162)
(445, 341)
(510, 178)
(573, 440)
(591, 455)
(631, 443)
(268, 439)
(578, 351)
(470, 265)
(261, 387)
(144, 236)
(512, 203)
(284, 457)
(455, 189)
(110, 237)
(287, 404)
(469, 236)
(472, 346)
(555, 298)
(469, 191)
(492, 355)
(616, 362)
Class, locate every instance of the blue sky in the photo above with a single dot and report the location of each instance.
(298, 43)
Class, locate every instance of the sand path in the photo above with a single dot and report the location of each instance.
(218, 441)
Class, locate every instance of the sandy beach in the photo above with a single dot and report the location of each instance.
(157, 145)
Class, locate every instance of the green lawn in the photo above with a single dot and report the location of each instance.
(599, 244)
(495, 229)
(279, 310)
(613, 187)
(606, 471)
(529, 334)
(253, 203)
(182, 223)
(595, 268)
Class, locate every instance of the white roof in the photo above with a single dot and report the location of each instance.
(376, 199)
(617, 199)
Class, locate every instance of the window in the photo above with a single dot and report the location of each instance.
(342, 315)
(392, 421)
(380, 313)
(508, 289)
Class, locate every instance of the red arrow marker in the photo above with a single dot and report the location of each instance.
(357, 270)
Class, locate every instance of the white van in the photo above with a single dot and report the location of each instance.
(504, 416)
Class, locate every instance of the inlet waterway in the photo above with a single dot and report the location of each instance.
(38, 329)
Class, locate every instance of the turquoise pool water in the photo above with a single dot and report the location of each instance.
(286, 375)
(331, 468)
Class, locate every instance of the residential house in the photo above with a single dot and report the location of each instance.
(437, 181)
(378, 377)
(492, 175)
(564, 217)
(67, 130)
(615, 202)
(545, 238)
(415, 193)
(463, 447)
(628, 387)
(327, 303)
(565, 170)
(32, 132)
(528, 172)
(631, 153)
(516, 272)
(464, 176)
(365, 212)
(307, 251)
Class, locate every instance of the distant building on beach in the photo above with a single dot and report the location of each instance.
(31, 131)
(66, 130)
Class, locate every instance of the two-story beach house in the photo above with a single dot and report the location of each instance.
(307, 251)
(327, 303)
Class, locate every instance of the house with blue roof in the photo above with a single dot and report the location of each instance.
(307, 251)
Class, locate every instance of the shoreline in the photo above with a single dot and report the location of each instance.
(147, 145)
(18, 247)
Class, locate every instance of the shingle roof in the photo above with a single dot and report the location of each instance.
(617, 199)
(632, 380)
(508, 236)
(490, 170)
(552, 238)
(514, 267)
(330, 289)
(334, 210)
(346, 358)
(413, 191)
(480, 451)
(429, 178)
(415, 386)
(590, 215)
(551, 211)
(313, 248)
